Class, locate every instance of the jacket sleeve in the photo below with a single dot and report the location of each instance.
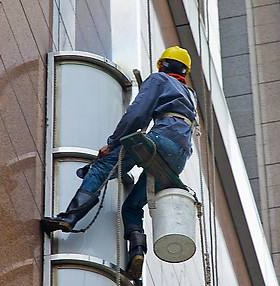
(140, 112)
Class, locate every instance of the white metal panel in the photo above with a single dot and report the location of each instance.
(88, 105)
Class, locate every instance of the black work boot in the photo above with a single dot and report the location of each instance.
(80, 205)
(137, 249)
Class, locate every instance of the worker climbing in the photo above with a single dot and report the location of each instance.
(165, 98)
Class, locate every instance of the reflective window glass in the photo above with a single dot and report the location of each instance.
(81, 277)
(100, 240)
(88, 105)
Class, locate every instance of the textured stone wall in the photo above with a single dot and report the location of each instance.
(258, 133)
(24, 43)
(266, 23)
(237, 83)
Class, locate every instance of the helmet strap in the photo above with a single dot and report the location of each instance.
(172, 66)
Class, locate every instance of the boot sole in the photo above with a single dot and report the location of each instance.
(134, 270)
(50, 225)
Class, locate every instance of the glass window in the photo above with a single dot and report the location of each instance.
(86, 94)
(99, 240)
(81, 277)
(88, 105)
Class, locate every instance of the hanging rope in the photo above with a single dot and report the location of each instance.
(118, 212)
(204, 254)
(201, 215)
(104, 185)
(150, 35)
(208, 106)
(202, 221)
(118, 217)
(203, 238)
(213, 179)
(208, 270)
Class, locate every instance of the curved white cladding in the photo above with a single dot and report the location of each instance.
(100, 239)
(88, 105)
(81, 277)
(86, 93)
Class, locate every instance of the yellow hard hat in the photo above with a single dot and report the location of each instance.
(176, 53)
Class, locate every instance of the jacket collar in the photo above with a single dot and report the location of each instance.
(181, 78)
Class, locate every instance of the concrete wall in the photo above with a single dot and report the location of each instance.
(24, 41)
(266, 21)
(237, 83)
(250, 42)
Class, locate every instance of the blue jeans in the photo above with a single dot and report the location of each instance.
(132, 209)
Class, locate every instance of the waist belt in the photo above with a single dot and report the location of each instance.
(192, 124)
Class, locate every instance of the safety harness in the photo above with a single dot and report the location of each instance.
(193, 124)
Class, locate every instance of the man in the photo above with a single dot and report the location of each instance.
(165, 98)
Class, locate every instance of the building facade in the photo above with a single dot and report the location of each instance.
(250, 62)
(66, 78)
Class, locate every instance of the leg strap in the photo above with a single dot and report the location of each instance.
(136, 239)
(82, 201)
(150, 187)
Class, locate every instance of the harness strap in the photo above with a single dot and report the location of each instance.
(150, 182)
(150, 186)
(137, 239)
(192, 124)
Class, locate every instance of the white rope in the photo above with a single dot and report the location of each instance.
(118, 218)
(213, 185)
(150, 35)
(204, 245)
(150, 185)
(202, 222)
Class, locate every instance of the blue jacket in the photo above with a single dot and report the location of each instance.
(159, 93)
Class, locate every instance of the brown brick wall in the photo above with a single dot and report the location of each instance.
(24, 43)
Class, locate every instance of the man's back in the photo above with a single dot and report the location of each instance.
(175, 97)
(159, 94)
